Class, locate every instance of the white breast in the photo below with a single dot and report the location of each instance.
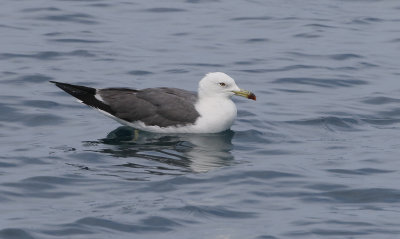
(216, 114)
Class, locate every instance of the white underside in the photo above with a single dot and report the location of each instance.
(216, 115)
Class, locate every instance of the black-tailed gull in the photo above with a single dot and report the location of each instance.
(167, 110)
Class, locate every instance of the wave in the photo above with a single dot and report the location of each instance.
(320, 82)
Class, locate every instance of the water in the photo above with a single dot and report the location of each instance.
(316, 156)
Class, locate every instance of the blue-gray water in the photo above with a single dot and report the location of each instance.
(316, 156)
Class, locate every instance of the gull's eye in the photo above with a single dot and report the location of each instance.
(222, 84)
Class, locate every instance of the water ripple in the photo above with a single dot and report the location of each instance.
(144, 226)
(380, 100)
(29, 79)
(331, 123)
(237, 178)
(46, 55)
(35, 120)
(74, 40)
(67, 231)
(366, 20)
(338, 57)
(42, 187)
(81, 18)
(362, 171)
(203, 64)
(256, 40)
(307, 35)
(328, 232)
(381, 121)
(165, 10)
(281, 69)
(317, 25)
(139, 72)
(263, 18)
(211, 211)
(320, 82)
(368, 195)
(40, 9)
(13, 115)
(45, 104)
(15, 233)
(13, 27)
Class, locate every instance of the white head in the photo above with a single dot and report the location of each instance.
(218, 84)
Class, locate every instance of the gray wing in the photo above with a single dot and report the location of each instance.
(154, 106)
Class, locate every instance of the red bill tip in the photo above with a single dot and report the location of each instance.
(251, 96)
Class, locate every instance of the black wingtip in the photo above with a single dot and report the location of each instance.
(57, 83)
(85, 94)
(75, 90)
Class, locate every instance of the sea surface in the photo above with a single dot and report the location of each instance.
(316, 156)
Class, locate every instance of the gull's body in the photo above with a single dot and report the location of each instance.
(168, 110)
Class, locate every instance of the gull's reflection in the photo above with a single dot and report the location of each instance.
(188, 152)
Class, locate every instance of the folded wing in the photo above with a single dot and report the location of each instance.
(161, 107)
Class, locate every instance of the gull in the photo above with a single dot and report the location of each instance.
(167, 110)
